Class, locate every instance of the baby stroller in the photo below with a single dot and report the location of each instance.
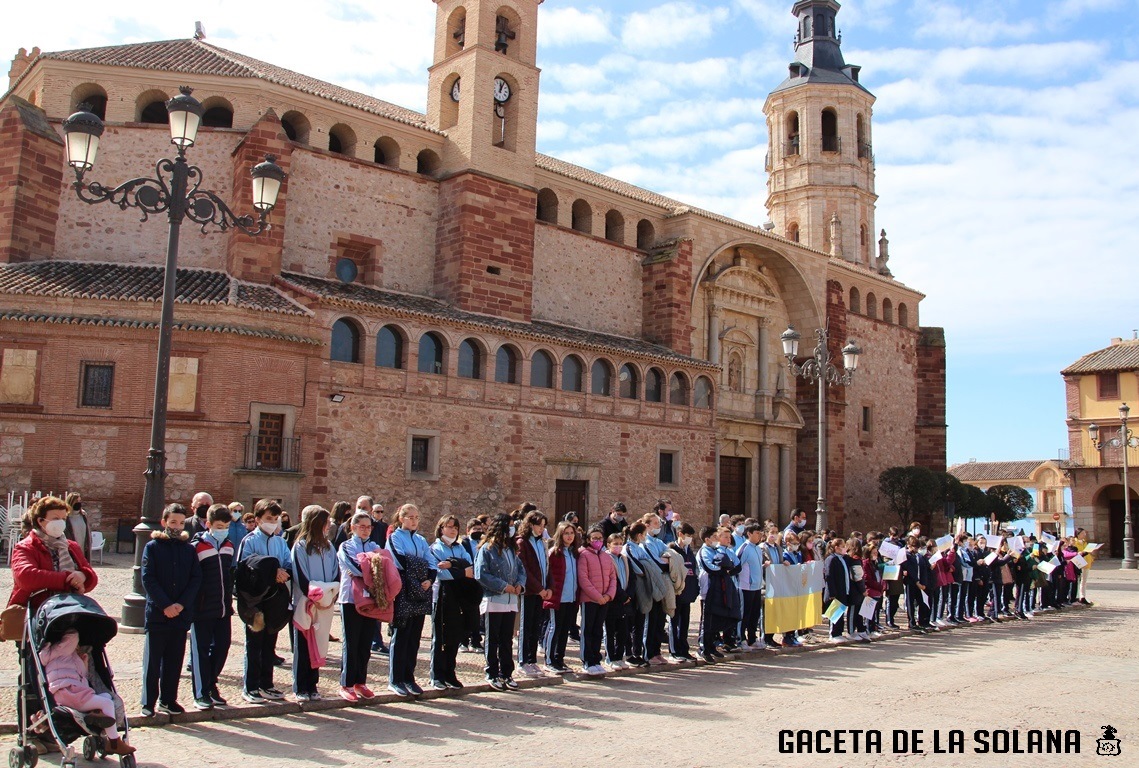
(38, 715)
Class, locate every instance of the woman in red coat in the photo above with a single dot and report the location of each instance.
(45, 561)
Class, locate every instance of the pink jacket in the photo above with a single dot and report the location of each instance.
(944, 568)
(63, 665)
(1067, 553)
(596, 576)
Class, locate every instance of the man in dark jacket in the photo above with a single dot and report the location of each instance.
(678, 626)
(199, 507)
(211, 631)
(172, 577)
(614, 522)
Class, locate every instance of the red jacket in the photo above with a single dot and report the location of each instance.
(32, 571)
(530, 564)
(557, 578)
(944, 568)
(874, 584)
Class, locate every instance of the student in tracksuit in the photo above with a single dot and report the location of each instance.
(678, 627)
(912, 575)
(751, 586)
(172, 576)
(772, 556)
(655, 634)
(211, 632)
(532, 619)
(405, 542)
(260, 647)
(618, 643)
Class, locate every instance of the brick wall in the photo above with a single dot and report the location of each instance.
(666, 305)
(258, 258)
(31, 174)
(930, 430)
(484, 250)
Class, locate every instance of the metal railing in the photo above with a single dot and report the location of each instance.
(791, 147)
(832, 144)
(865, 150)
(269, 453)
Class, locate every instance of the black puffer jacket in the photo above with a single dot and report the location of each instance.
(262, 603)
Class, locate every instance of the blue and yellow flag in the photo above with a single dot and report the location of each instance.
(794, 597)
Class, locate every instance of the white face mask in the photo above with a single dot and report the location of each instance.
(448, 540)
(739, 530)
(55, 528)
(685, 541)
(268, 528)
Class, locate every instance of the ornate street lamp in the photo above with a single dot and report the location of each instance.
(818, 368)
(1124, 439)
(174, 190)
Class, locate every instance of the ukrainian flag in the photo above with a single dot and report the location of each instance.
(794, 597)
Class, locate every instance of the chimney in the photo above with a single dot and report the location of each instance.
(1116, 341)
(20, 64)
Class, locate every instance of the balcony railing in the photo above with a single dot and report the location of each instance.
(270, 453)
(865, 150)
(832, 144)
(791, 147)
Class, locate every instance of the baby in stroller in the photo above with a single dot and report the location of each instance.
(65, 670)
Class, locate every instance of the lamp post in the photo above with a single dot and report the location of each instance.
(1124, 439)
(173, 190)
(818, 368)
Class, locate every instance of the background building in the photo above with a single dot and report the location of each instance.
(1095, 386)
(440, 313)
(1046, 480)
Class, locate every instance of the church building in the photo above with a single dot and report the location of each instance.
(440, 313)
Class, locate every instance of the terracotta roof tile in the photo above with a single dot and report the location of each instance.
(1123, 356)
(364, 297)
(137, 282)
(197, 57)
(982, 471)
(123, 322)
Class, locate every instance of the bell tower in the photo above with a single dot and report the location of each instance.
(483, 85)
(820, 185)
(484, 97)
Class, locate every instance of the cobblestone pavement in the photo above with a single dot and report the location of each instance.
(1074, 670)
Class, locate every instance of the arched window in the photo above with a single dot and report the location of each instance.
(702, 393)
(601, 378)
(872, 306)
(654, 386)
(342, 140)
(830, 131)
(864, 243)
(150, 108)
(389, 347)
(887, 310)
(646, 234)
(582, 217)
(572, 370)
(470, 360)
(93, 96)
(678, 389)
(506, 365)
(427, 163)
(457, 31)
(793, 232)
(296, 126)
(345, 341)
(792, 145)
(386, 152)
(542, 370)
(431, 354)
(218, 113)
(855, 301)
(548, 206)
(860, 136)
(903, 316)
(615, 227)
(629, 383)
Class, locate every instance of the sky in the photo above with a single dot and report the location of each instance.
(1005, 137)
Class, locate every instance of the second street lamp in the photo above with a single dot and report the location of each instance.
(1124, 439)
(819, 369)
(173, 190)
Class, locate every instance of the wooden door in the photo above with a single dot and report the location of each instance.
(571, 496)
(733, 485)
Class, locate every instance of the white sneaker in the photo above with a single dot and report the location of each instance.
(595, 670)
(864, 636)
(875, 635)
(530, 670)
(840, 640)
(619, 664)
(759, 645)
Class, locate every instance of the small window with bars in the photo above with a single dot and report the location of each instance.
(98, 385)
(420, 454)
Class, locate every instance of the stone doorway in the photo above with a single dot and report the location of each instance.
(571, 496)
(733, 485)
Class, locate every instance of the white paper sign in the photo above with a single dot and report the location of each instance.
(1047, 536)
(925, 597)
(1055, 561)
(1016, 543)
(1053, 545)
(945, 542)
(994, 540)
(989, 558)
(867, 609)
(1091, 547)
(1045, 566)
(888, 550)
(1079, 561)
(900, 557)
(935, 558)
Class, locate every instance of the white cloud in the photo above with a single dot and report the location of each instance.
(572, 26)
(671, 24)
(949, 22)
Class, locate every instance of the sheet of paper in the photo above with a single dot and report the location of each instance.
(989, 558)
(900, 557)
(888, 550)
(1079, 561)
(1045, 536)
(1053, 546)
(994, 540)
(1092, 547)
(1046, 567)
(924, 597)
(1016, 543)
(1056, 561)
(867, 609)
(935, 558)
(834, 611)
(945, 542)
(891, 572)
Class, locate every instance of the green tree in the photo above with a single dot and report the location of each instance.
(1008, 502)
(911, 492)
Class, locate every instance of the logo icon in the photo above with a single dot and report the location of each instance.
(1108, 745)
